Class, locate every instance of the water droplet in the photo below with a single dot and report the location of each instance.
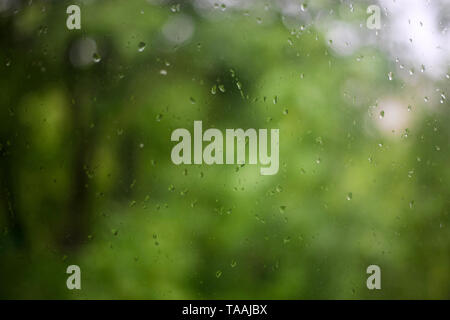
(214, 89)
(218, 274)
(390, 76)
(192, 100)
(222, 88)
(303, 7)
(96, 57)
(282, 209)
(141, 46)
(239, 85)
(349, 196)
(163, 72)
(405, 134)
(233, 263)
(175, 8)
(422, 68)
(159, 117)
(382, 114)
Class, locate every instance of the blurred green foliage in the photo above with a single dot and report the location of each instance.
(86, 175)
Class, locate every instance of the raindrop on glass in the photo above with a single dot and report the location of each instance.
(96, 57)
(141, 46)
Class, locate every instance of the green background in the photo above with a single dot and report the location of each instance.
(87, 179)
